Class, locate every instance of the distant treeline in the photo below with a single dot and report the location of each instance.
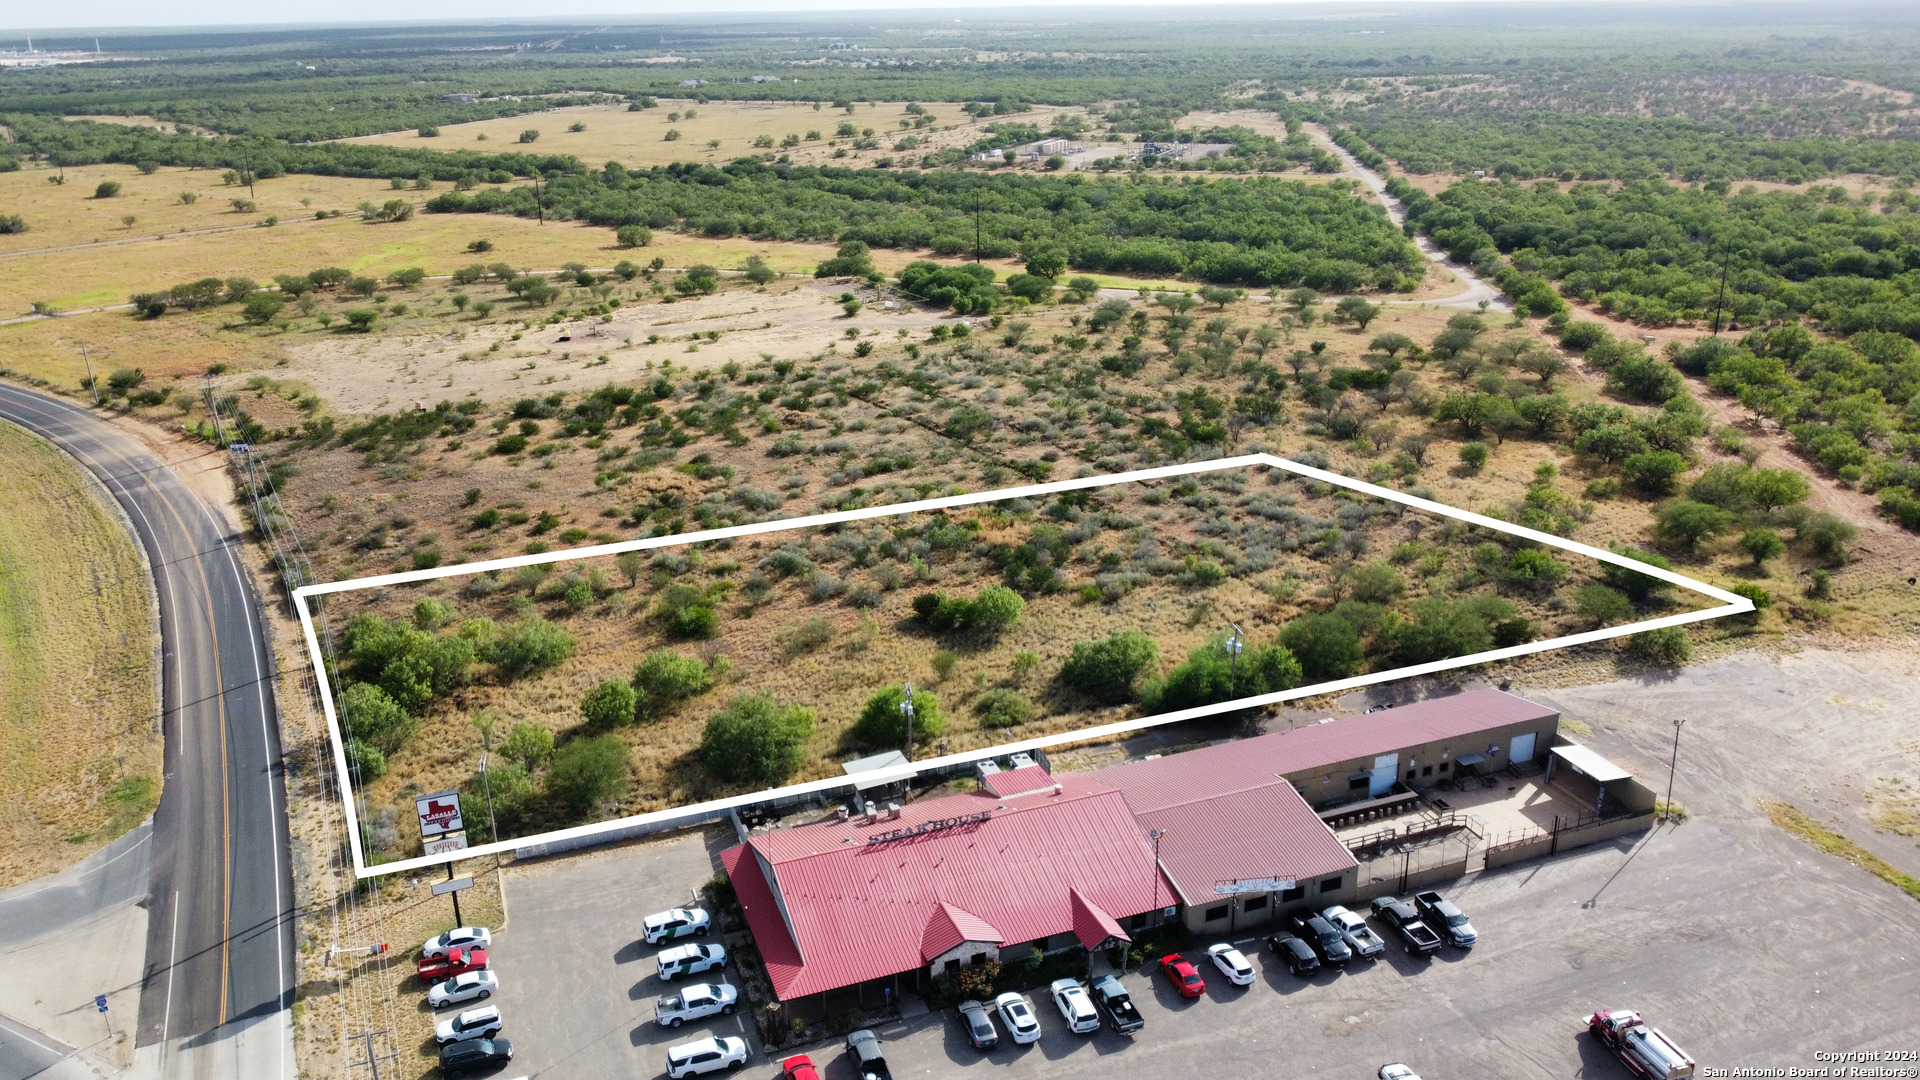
(85, 142)
(1568, 146)
(1261, 231)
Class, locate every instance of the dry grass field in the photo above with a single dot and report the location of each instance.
(639, 139)
(79, 736)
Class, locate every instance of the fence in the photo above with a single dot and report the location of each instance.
(1566, 834)
(1423, 831)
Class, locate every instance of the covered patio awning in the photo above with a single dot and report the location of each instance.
(1469, 759)
(1588, 764)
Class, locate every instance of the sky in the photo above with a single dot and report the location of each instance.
(101, 16)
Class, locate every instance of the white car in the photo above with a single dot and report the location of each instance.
(1075, 1006)
(1232, 963)
(1397, 1071)
(481, 1023)
(705, 1056)
(473, 986)
(696, 1001)
(1017, 1013)
(1353, 926)
(689, 960)
(677, 923)
(466, 937)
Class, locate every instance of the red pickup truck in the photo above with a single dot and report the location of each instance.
(456, 962)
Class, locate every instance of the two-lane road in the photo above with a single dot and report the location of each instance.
(219, 953)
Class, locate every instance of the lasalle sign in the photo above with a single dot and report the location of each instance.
(439, 814)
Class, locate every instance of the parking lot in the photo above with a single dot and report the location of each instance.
(1708, 927)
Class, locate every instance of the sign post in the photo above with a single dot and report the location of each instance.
(439, 814)
(100, 1002)
(453, 887)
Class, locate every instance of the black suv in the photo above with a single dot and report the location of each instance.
(1300, 957)
(1331, 944)
(474, 1055)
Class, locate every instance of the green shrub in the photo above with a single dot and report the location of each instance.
(609, 705)
(1684, 523)
(529, 744)
(1327, 646)
(882, 725)
(366, 760)
(1106, 670)
(664, 679)
(530, 646)
(375, 719)
(695, 622)
(1760, 544)
(1602, 605)
(995, 610)
(1641, 587)
(756, 740)
(1212, 675)
(1002, 708)
(587, 772)
(1667, 646)
(1474, 456)
(1826, 537)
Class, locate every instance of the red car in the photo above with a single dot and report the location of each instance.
(1182, 975)
(798, 1067)
(456, 962)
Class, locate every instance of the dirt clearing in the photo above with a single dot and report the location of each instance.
(79, 735)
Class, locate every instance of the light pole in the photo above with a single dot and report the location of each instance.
(906, 713)
(1235, 645)
(1672, 764)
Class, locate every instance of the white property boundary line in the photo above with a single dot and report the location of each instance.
(1733, 605)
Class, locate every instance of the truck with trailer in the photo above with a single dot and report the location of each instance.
(1645, 1051)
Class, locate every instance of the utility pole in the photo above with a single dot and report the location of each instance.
(976, 226)
(1720, 305)
(1235, 644)
(91, 384)
(373, 1059)
(1672, 764)
(906, 711)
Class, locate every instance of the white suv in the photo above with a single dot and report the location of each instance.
(481, 1023)
(705, 1056)
(676, 923)
(1074, 1004)
(689, 960)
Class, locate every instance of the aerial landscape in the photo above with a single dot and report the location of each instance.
(1369, 540)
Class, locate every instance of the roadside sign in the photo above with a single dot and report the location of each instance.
(455, 885)
(439, 813)
(100, 1002)
(239, 447)
(445, 843)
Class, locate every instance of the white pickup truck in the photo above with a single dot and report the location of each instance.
(696, 1001)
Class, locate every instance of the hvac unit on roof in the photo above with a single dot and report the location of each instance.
(985, 769)
(1021, 760)
(893, 811)
(840, 814)
(872, 814)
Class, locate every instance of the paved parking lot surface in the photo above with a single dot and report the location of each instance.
(576, 982)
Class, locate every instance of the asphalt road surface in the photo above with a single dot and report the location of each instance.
(219, 941)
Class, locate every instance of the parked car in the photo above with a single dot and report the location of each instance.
(1446, 920)
(474, 1055)
(689, 960)
(706, 1056)
(798, 1067)
(1397, 1071)
(1017, 1013)
(1075, 1006)
(456, 962)
(1417, 936)
(696, 1001)
(676, 923)
(979, 1024)
(1232, 963)
(863, 1047)
(481, 1023)
(1353, 926)
(472, 986)
(1300, 957)
(1112, 997)
(1182, 975)
(1328, 942)
(465, 937)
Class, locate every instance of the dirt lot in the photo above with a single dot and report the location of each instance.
(638, 139)
(79, 735)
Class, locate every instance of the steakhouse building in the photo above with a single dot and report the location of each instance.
(1225, 837)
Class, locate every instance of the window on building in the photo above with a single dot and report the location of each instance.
(1298, 892)
(1359, 783)
(1328, 885)
(1412, 772)
(1254, 903)
(1138, 922)
(1445, 765)
(1428, 771)
(1218, 911)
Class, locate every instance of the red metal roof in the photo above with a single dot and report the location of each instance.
(1092, 926)
(1020, 781)
(860, 910)
(949, 926)
(1244, 763)
(1260, 832)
